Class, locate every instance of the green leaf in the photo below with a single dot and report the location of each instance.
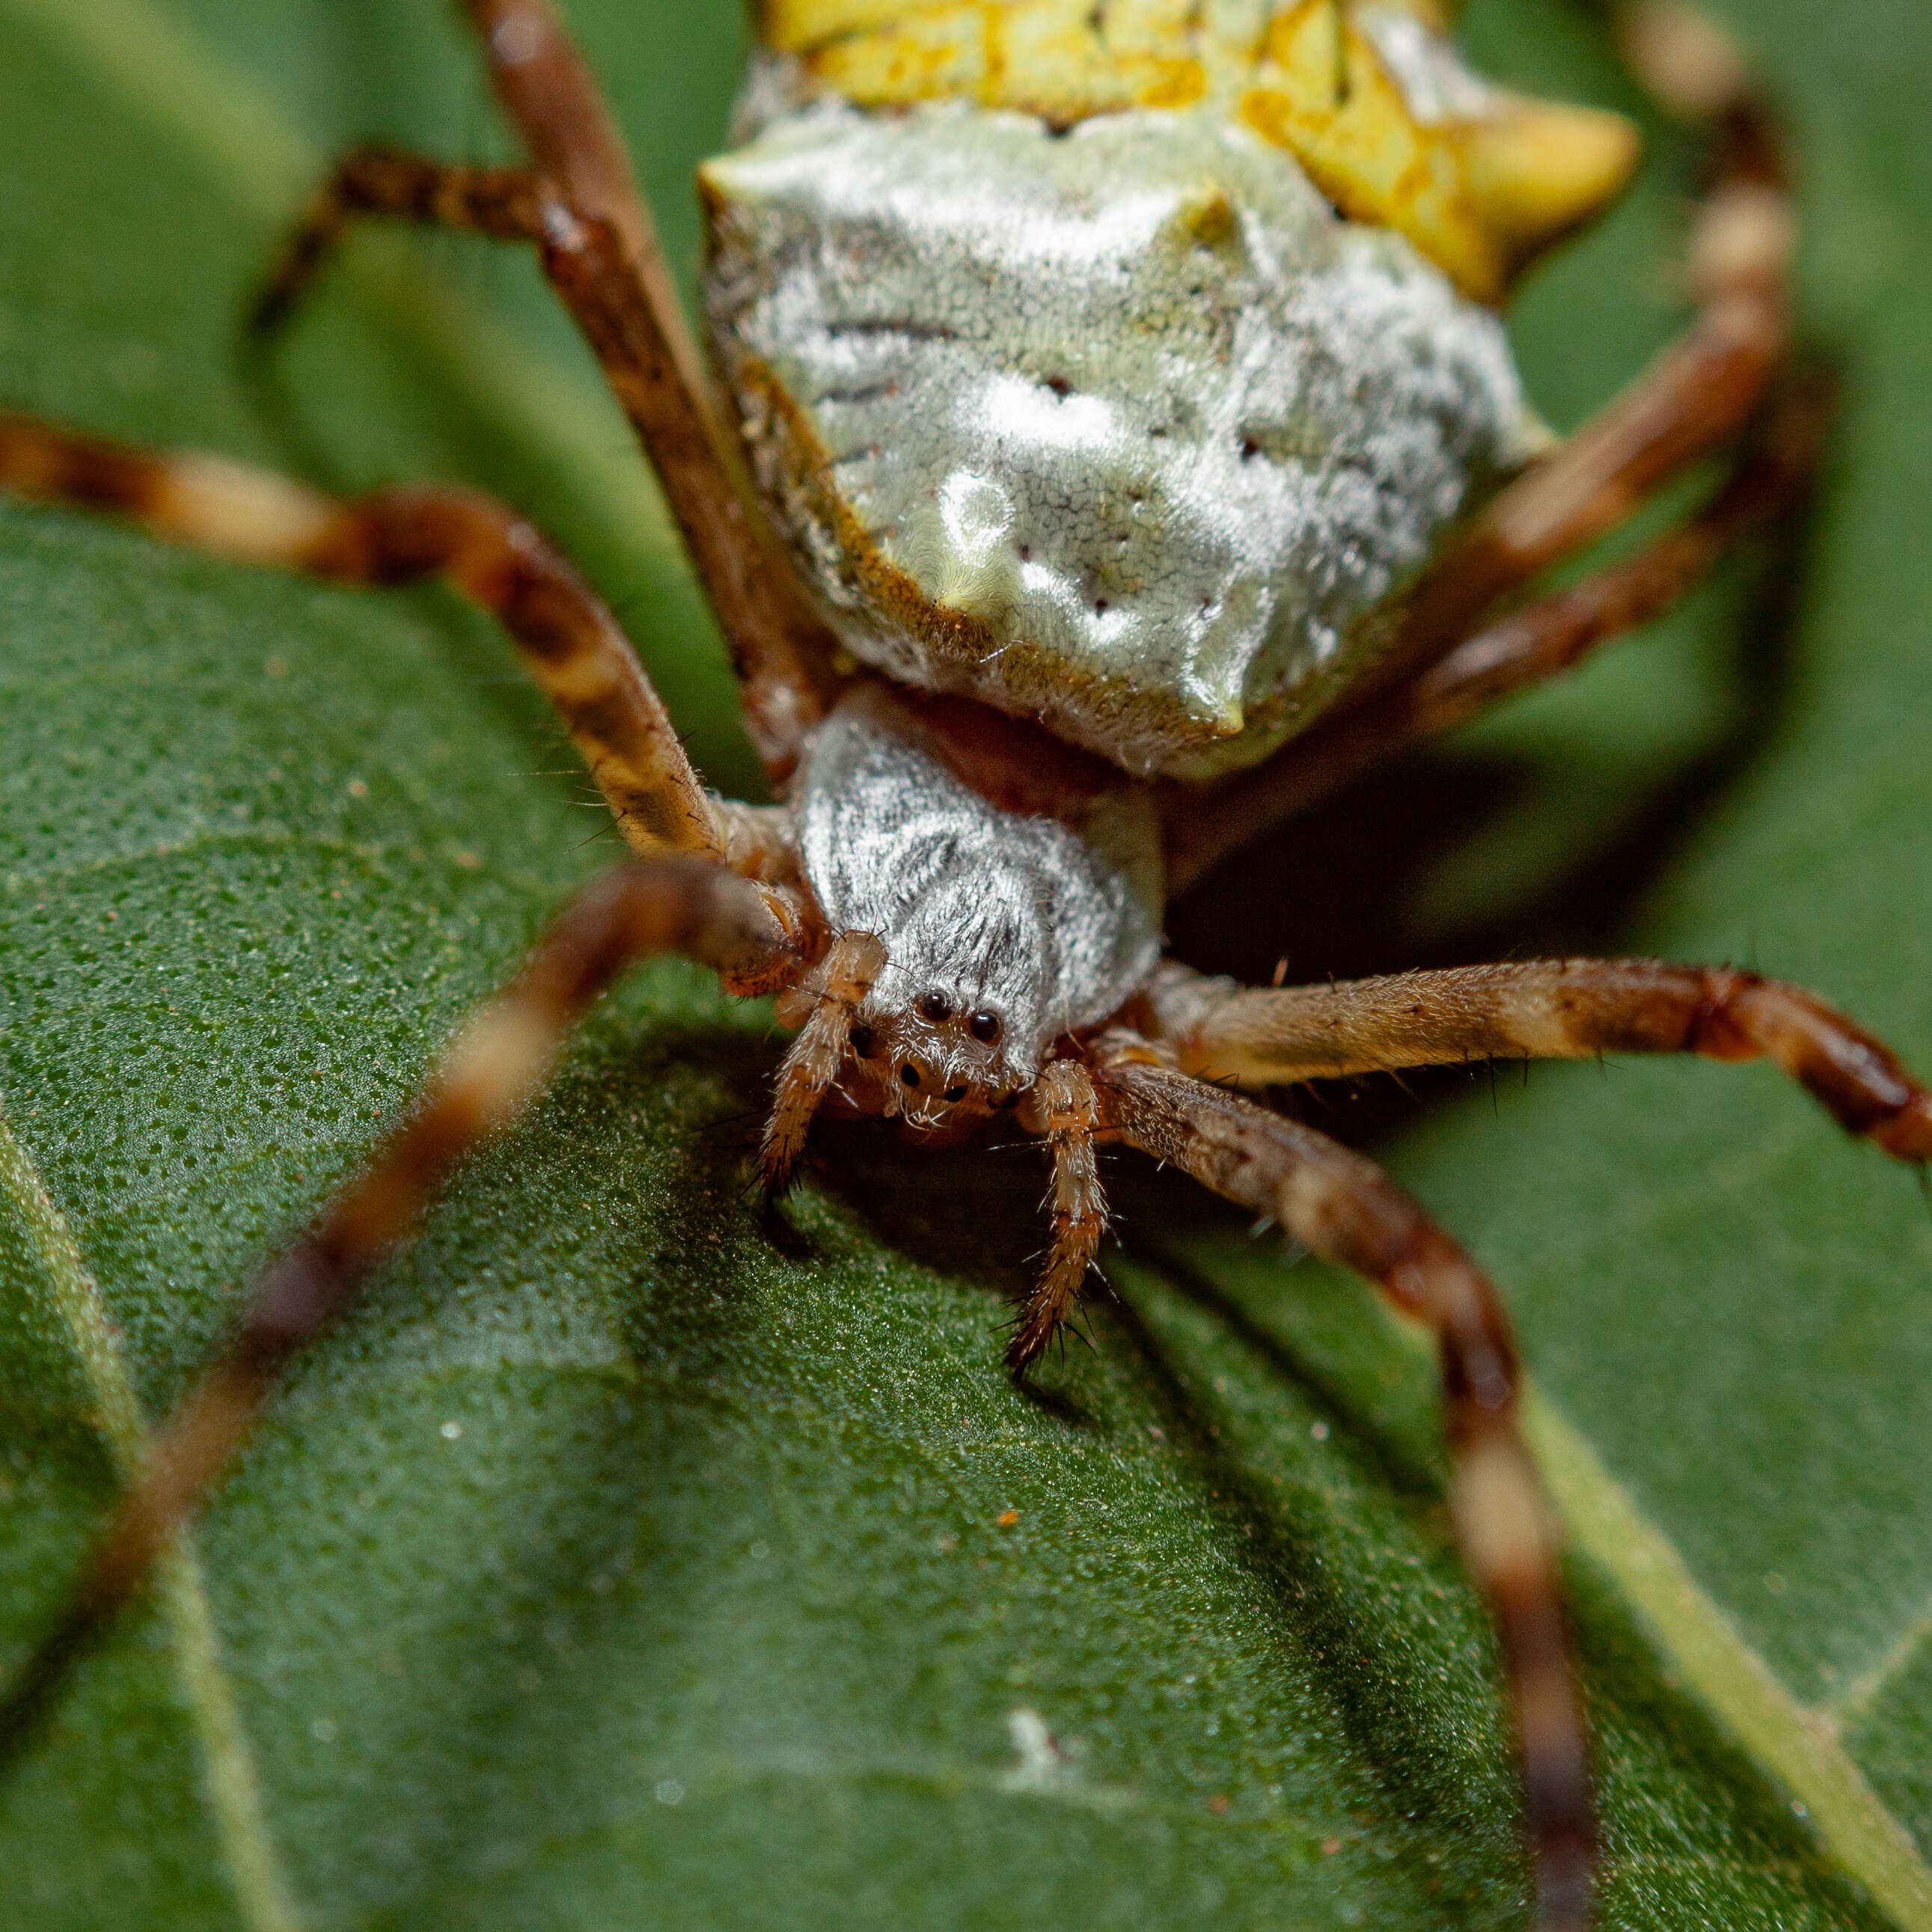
(627, 1559)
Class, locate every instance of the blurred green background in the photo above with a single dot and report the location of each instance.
(629, 1560)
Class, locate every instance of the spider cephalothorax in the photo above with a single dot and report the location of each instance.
(988, 893)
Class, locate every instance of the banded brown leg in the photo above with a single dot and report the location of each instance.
(545, 88)
(779, 652)
(1343, 1207)
(1063, 1109)
(825, 1009)
(1695, 399)
(568, 641)
(645, 908)
(1546, 1009)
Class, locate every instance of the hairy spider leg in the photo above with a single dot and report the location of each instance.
(599, 251)
(831, 995)
(1063, 1109)
(548, 94)
(1699, 397)
(643, 908)
(1529, 646)
(568, 641)
(779, 652)
(1342, 1206)
(1542, 1009)
(1694, 399)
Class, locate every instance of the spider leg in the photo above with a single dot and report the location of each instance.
(1552, 635)
(1700, 397)
(548, 94)
(644, 907)
(1063, 1108)
(1555, 1009)
(568, 641)
(831, 993)
(1344, 1206)
(1696, 398)
(779, 652)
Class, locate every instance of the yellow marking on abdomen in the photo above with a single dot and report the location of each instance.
(1480, 196)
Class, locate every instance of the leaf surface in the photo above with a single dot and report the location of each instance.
(626, 1559)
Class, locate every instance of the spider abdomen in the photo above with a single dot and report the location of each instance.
(1124, 431)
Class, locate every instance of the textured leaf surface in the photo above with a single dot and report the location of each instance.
(627, 1561)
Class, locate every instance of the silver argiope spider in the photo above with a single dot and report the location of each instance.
(1102, 1047)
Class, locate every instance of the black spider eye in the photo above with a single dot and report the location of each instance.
(861, 1042)
(935, 1007)
(909, 1074)
(955, 1092)
(984, 1027)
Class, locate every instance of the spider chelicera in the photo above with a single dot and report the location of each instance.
(959, 910)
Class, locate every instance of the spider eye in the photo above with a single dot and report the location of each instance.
(861, 1042)
(955, 1092)
(935, 1007)
(984, 1027)
(909, 1074)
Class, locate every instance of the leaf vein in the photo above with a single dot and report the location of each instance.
(232, 1788)
(1788, 1742)
(1865, 1689)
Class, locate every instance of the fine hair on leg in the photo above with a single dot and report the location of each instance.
(571, 644)
(824, 1007)
(779, 651)
(1342, 1206)
(497, 1062)
(1063, 1110)
(1541, 1010)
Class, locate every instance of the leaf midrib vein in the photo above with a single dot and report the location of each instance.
(1797, 1747)
(233, 1788)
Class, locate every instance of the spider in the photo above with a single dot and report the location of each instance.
(958, 903)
